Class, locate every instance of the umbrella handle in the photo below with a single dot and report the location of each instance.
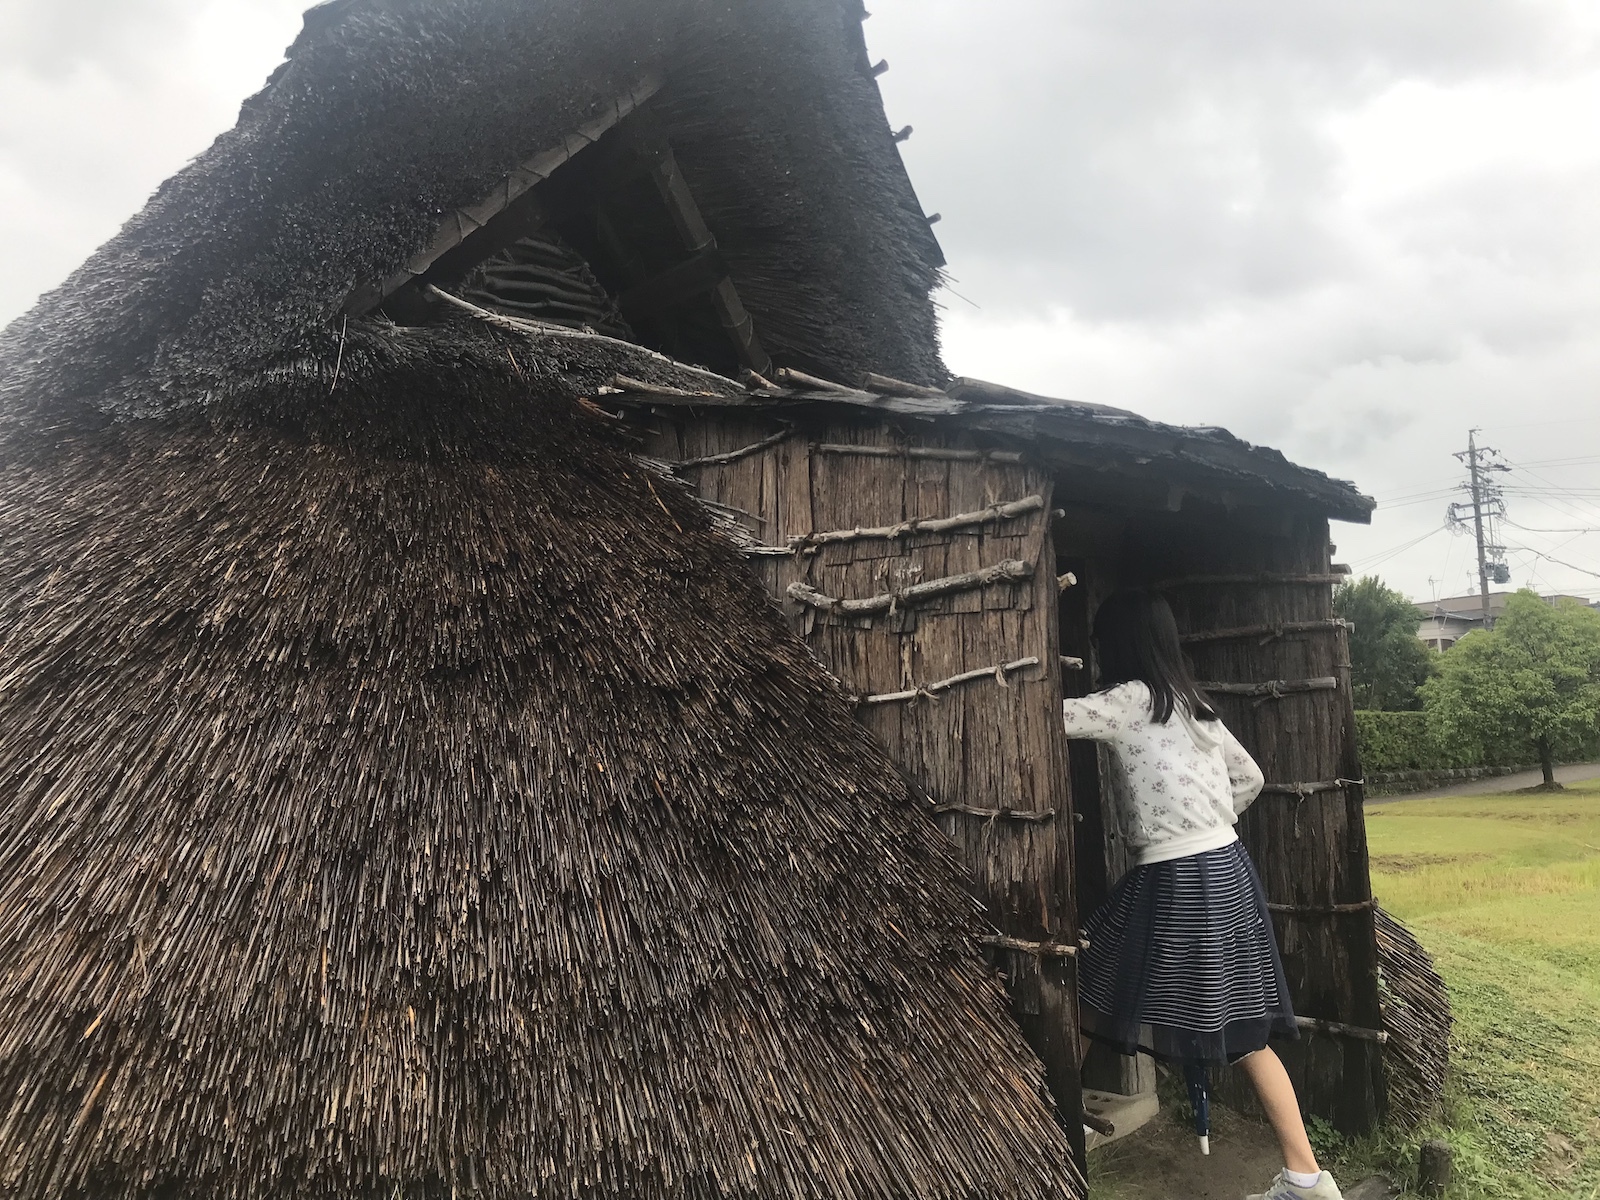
(1199, 1085)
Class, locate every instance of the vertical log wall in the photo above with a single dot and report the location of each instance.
(1255, 601)
(990, 752)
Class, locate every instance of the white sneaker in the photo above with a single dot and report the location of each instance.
(1282, 1189)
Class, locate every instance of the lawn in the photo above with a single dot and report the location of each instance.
(1505, 893)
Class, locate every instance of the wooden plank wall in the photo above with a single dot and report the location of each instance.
(1311, 850)
(982, 745)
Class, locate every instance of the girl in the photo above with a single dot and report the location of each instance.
(1182, 962)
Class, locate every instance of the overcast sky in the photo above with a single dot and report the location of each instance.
(1350, 229)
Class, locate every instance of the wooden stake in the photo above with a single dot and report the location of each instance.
(1435, 1167)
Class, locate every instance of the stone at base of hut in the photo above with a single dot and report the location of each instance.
(1376, 1188)
(1127, 1114)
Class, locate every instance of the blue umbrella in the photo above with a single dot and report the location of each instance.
(1194, 1075)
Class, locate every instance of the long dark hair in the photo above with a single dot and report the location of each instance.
(1137, 638)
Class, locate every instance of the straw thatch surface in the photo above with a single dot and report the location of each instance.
(1417, 1017)
(411, 796)
(390, 113)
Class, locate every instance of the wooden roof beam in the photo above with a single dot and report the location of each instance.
(463, 223)
(698, 239)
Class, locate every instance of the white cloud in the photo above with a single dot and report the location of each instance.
(100, 102)
(1348, 228)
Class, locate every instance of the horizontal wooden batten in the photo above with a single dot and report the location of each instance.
(1263, 580)
(1339, 1029)
(992, 515)
(1041, 817)
(1310, 789)
(931, 453)
(733, 456)
(1009, 571)
(1042, 949)
(1274, 689)
(1323, 910)
(1267, 633)
(931, 691)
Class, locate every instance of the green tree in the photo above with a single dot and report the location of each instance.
(1387, 661)
(1531, 684)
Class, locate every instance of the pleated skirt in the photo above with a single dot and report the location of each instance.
(1182, 962)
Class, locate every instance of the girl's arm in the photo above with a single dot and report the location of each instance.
(1244, 776)
(1102, 717)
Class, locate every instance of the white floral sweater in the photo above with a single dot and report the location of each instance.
(1187, 780)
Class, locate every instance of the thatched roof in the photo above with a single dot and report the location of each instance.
(390, 115)
(1095, 452)
(403, 792)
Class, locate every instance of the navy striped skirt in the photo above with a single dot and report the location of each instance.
(1182, 962)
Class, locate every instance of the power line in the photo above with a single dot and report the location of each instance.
(1531, 529)
(1569, 566)
(1383, 556)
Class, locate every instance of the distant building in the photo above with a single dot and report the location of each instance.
(1445, 622)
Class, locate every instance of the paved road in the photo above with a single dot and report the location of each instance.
(1571, 773)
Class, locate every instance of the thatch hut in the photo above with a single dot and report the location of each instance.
(942, 550)
(404, 789)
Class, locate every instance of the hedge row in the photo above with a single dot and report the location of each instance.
(1401, 741)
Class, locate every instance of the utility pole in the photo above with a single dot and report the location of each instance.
(1487, 504)
(1477, 521)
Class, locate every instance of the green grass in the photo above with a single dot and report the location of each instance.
(1504, 891)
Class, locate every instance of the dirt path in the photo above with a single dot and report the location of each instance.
(1571, 773)
(1162, 1161)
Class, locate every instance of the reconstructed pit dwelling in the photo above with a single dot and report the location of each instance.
(515, 651)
